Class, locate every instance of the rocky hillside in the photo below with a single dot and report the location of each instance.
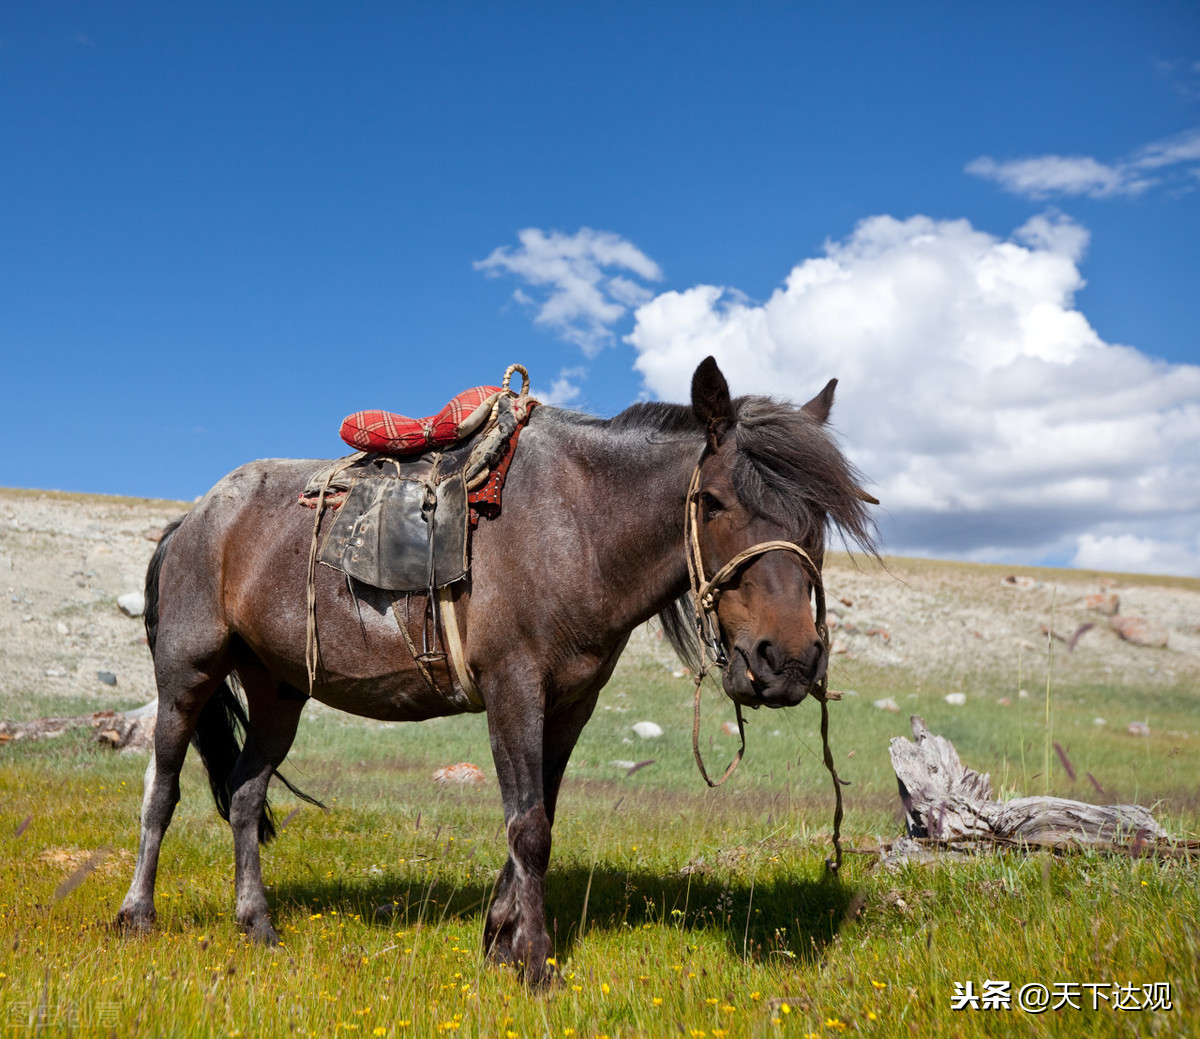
(67, 646)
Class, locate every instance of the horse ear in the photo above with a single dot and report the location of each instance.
(820, 406)
(710, 397)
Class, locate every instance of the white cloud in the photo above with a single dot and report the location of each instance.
(1139, 555)
(577, 297)
(565, 390)
(1171, 160)
(996, 422)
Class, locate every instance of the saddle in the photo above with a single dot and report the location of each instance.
(405, 510)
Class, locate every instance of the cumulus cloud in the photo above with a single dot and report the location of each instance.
(995, 421)
(581, 284)
(1173, 160)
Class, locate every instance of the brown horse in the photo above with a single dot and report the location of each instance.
(590, 543)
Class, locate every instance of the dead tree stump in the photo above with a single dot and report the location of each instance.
(946, 801)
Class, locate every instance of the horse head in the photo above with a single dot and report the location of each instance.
(769, 483)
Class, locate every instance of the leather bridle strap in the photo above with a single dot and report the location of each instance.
(706, 594)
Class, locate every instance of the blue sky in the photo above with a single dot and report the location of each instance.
(226, 226)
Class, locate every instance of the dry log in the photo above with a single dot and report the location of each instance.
(946, 801)
(128, 730)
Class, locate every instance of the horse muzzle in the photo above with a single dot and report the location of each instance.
(763, 678)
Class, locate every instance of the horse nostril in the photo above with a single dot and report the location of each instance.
(814, 661)
(764, 657)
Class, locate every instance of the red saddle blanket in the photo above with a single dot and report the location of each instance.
(392, 434)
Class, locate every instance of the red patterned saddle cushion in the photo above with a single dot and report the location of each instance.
(392, 434)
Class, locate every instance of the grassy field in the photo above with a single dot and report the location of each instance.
(675, 910)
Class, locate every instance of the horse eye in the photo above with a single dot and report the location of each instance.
(712, 504)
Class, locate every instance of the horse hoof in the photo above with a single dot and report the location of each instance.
(262, 932)
(132, 922)
(540, 978)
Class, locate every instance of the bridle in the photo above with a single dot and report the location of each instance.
(706, 592)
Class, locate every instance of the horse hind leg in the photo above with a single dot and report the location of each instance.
(176, 723)
(274, 714)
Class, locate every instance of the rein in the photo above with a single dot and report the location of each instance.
(705, 595)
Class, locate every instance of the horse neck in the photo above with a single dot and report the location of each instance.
(637, 483)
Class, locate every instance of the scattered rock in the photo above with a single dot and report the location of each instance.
(839, 647)
(1099, 721)
(107, 677)
(1025, 584)
(955, 699)
(729, 728)
(1140, 631)
(462, 774)
(648, 730)
(1005, 701)
(1107, 603)
(132, 604)
(888, 704)
(1138, 729)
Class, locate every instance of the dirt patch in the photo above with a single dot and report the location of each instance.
(64, 561)
(942, 620)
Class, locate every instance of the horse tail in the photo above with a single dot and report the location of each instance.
(219, 737)
(152, 574)
(221, 728)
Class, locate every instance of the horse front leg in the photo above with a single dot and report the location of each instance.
(515, 928)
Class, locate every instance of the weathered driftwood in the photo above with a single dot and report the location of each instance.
(946, 801)
(128, 730)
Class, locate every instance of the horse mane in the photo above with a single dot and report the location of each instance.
(789, 468)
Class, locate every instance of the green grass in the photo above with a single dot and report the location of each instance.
(707, 912)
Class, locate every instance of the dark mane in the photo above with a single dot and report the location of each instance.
(656, 417)
(788, 468)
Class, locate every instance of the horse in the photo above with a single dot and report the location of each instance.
(599, 519)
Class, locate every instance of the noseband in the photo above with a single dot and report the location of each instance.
(705, 595)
